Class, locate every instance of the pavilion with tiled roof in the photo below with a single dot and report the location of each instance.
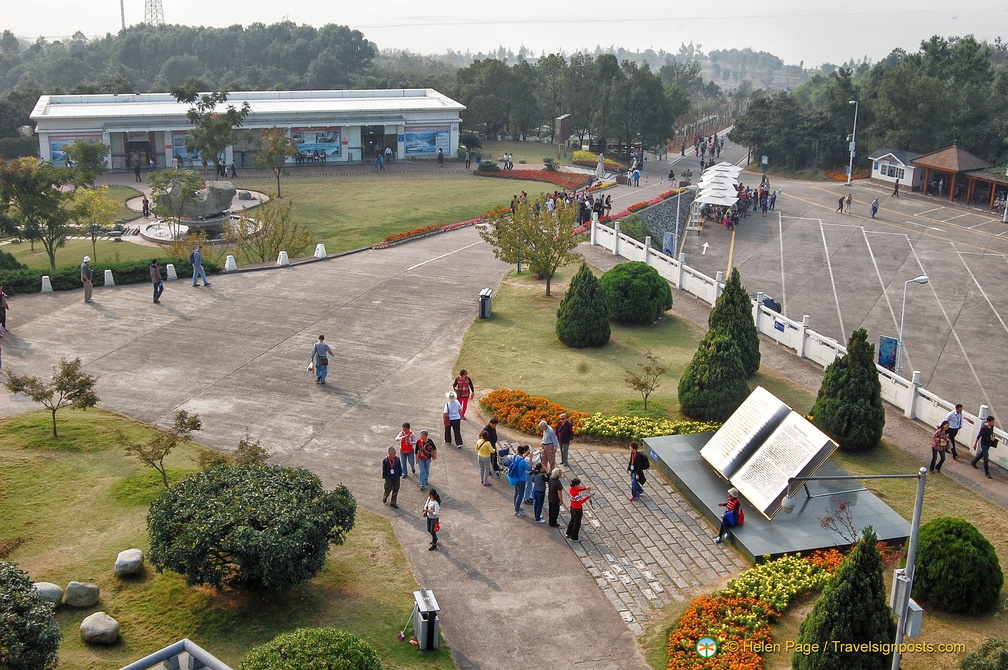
(951, 167)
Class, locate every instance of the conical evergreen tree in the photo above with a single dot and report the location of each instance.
(851, 610)
(714, 383)
(583, 317)
(849, 405)
(733, 316)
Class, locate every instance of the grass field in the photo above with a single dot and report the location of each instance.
(71, 504)
(530, 152)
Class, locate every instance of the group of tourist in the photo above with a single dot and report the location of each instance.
(314, 156)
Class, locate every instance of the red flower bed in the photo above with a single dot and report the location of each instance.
(568, 180)
(522, 411)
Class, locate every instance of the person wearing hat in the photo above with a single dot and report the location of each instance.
(730, 517)
(196, 258)
(85, 275)
(451, 415)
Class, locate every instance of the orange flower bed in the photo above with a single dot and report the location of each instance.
(828, 559)
(738, 625)
(841, 174)
(522, 411)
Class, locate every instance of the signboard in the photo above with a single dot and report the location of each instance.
(887, 347)
(178, 147)
(308, 140)
(562, 127)
(424, 141)
(57, 144)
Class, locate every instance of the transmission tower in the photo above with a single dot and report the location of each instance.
(153, 13)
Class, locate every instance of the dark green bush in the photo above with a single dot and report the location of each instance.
(29, 634)
(8, 262)
(315, 648)
(957, 569)
(714, 383)
(583, 317)
(67, 278)
(489, 166)
(471, 140)
(635, 293)
(634, 226)
(991, 655)
(16, 147)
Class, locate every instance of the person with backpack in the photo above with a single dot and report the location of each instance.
(639, 463)
(517, 472)
(426, 451)
(407, 441)
(733, 514)
(452, 417)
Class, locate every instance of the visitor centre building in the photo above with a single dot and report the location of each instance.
(329, 126)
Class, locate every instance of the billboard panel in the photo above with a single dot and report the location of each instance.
(424, 141)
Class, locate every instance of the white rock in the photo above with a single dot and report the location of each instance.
(49, 592)
(81, 594)
(99, 628)
(129, 562)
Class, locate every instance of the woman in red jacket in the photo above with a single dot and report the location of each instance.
(730, 517)
(464, 388)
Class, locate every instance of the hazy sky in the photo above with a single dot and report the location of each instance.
(812, 31)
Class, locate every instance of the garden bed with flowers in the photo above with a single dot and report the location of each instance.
(567, 180)
(590, 159)
(431, 230)
(841, 174)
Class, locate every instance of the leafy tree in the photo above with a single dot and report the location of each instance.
(38, 193)
(636, 293)
(946, 544)
(583, 316)
(95, 210)
(851, 610)
(275, 147)
(530, 234)
(645, 380)
(213, 131)
(714, 383)
(69, 386)
(260, 235)
(89, 161)
(246, 453)
(258, 527)
(9, 262)
(316, 648)
(153, 452)
(849, 407)
(173, 191)
(550, 75)
(732, 316)
(29, 634)
(991, 655)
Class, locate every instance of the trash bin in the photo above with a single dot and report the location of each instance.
(485, 303)
(426, 622)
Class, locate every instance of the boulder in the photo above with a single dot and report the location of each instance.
(215, 198)
(49, 592)
(99, 628)
(245, 195)
(129, 562)
(81, 594)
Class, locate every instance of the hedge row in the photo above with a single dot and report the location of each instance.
(68, 278)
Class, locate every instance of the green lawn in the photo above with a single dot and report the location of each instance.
(71, 504)
(530, 152)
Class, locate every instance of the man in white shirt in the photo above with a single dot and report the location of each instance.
(955, 419)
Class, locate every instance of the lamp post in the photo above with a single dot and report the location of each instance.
(675, 232)
(907, 573)
(853, 142)
(923, 279)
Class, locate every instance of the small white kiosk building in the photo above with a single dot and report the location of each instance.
(888, 165)
(331, 126)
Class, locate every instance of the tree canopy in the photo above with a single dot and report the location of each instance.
(69, 386)
(29, 634)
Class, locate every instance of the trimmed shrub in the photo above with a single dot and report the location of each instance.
(8, 262)
(315, 648)
(714, 383)
(732, 315)
(852, 609)
(957, 569)
(67, 278)
(635, 293)
(991, 655)
(583, 317)
(488, 166)
(849, 405)
(29, 634)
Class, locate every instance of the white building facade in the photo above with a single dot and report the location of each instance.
(330, 126)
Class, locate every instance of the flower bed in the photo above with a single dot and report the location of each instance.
(639, 427)
(567, 180)
(731, 622)
(841, 174)
(589, 159)
(435, 228)
(522, 411)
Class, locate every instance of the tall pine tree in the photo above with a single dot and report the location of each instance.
(849, 405)
(733, 316)
(583, 317)
(714, 383)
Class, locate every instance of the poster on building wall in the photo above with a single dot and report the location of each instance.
(178, 148)
(426, 140)
(308, 141)
(58, 144)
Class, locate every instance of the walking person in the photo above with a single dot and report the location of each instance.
(874, 207)
(550, 444)
(432, 512)
(155, 277)
(954, 420)
(985, 441)
(895, 191)
(939, 444)
(639, 463)
(516, 476)
(464, 389)
(840, 204)
(136, 169)
(540, 478)
(847, 203)
(391, 472)
(731, 516)
(196, 258)
(468, 159)
(426, 451)
(554, 497)
(320, 359)
(452, 417)
(483, 450)
(579, 495)
(407, 440)
(146, 207)
(85, 275)
(440, 157)
(4, 306)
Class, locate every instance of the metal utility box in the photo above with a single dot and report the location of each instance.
(485, 303)
(426, 623)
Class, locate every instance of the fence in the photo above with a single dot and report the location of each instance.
(915, 401)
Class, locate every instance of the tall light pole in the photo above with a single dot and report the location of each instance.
(923, 279)
(853, 142)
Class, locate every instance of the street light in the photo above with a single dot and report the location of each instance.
(675, 232)
(923, 279)
(853, 142)
(906, 575)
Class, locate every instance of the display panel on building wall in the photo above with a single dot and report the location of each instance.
(426, 140)
(178, 139)
(57, 144)
(310, 140)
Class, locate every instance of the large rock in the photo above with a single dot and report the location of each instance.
(215, 198)
(49, 592)
(129, 562)
(81, 594)
(99, 628)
